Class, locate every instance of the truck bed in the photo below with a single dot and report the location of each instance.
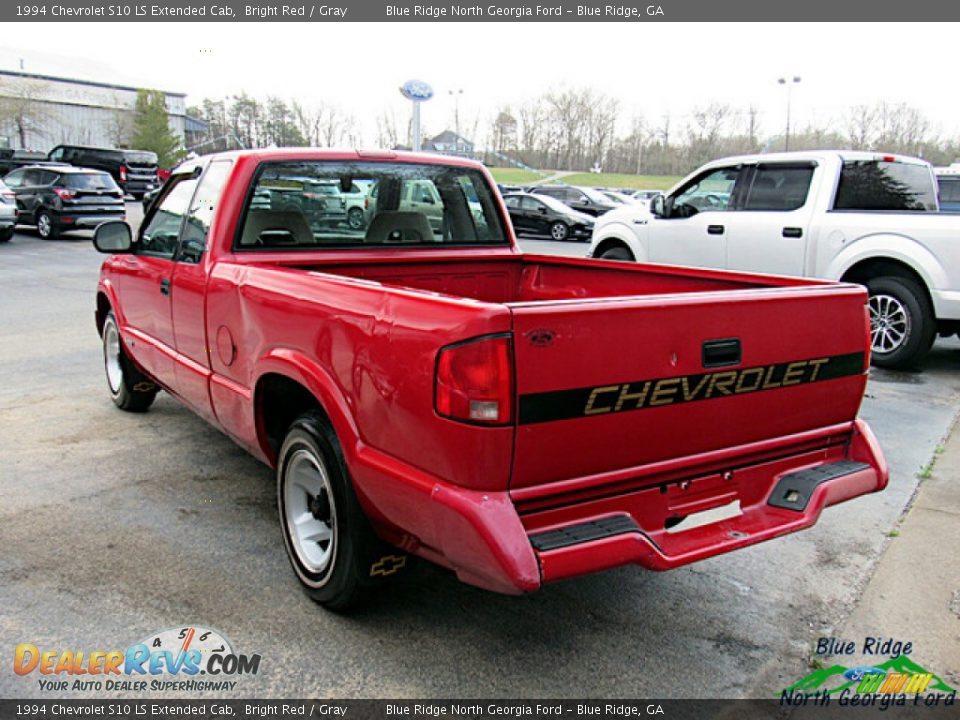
(532, 278)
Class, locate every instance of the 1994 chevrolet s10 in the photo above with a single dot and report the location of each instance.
(422, 387)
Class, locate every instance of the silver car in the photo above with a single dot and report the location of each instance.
(8, 212)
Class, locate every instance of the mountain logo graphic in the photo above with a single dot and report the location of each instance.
(897, 675)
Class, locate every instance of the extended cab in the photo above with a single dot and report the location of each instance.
(850, 216)
(424, 388)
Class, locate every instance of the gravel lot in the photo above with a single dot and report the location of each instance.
(114, 526)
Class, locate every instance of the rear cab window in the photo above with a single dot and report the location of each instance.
(410, 204)
(885, 185)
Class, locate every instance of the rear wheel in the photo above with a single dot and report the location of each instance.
(617, 252)
(46, 228)
(130, 389)
(559, 231)
(331, 545)
(355, 218)
(902, 324)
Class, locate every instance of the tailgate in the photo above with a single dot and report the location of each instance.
(614, 384)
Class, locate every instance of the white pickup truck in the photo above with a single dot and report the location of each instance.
(854, 216)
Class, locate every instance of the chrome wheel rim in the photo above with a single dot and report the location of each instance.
(111, 357)
(889, 323)
(310, 512)
(559, 232)
(43, 226)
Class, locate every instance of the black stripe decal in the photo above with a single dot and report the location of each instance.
(657, 392)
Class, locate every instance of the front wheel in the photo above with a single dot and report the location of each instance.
(559, 231)
(331, 545)
(902, 324)
(617, 252)
(130, 389)
(46, 228)
(6, 234)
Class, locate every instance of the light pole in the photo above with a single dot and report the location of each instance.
(455, 94)
(789, 82)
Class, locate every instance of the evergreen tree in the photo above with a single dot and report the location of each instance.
(151, 129)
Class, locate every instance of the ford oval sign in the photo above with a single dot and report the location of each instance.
(416, 90)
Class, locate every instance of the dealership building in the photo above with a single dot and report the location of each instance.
(38, 112)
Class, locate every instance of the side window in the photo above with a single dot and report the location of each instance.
(57, 154)
(949, 190)
(159, 237)
(779, 187)
(15, 179)
(709, 192)
(512, 202)
(885, 185)
(531, 204)
(202, 210)
(47, 177)
(32, 178)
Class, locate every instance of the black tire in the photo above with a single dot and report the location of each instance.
(46, 227)
(559, 231)
(902, 322)
(129, 388)
(618, 252)
(6, 234)
(340, 574)
(355, 218)
(137, 196)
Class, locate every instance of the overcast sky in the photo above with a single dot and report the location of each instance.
(650, 68)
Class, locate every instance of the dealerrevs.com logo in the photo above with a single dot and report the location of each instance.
(188, 659)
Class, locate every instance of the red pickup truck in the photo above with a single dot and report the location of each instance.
(422, 387)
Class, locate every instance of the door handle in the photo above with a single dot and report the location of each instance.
(715, 229)
(165, 286)
(792, 232)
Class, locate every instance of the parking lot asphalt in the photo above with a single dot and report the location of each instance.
(114, 526)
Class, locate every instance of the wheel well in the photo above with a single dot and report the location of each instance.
(866, 270)
(612, 242)
(278, 402)
(103, 307)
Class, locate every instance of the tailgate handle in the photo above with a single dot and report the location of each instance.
(715, 229)
(792, 232)
(719, 353)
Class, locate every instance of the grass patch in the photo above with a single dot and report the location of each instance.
(513, 176)
(617, 180)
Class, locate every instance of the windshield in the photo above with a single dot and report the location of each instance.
(597, 197)
(89, 181)
(307, 204)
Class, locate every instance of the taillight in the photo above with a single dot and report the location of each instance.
(366, 203)
(123, 173)
(8, 197)
(474, 381)
(64, 194)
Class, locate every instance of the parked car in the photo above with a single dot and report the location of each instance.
(135, 171)
(544, 215)
(59, 198)
(11, 159)
(518, 419)
(584, 199)
(8, 212)
(948, 182)
(645, 194)
(615, 197)
(853, 216)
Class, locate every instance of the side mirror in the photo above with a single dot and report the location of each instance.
(113, 237)
(658, 206)
(542, 210)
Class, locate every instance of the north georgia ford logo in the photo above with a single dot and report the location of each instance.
(168, 660)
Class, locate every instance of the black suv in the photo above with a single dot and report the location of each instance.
(584, 199)
(58, 198)
(135, 171)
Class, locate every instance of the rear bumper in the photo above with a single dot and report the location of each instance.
(89, 221)
(495, 541)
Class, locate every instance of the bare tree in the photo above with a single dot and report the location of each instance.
(22, 108)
